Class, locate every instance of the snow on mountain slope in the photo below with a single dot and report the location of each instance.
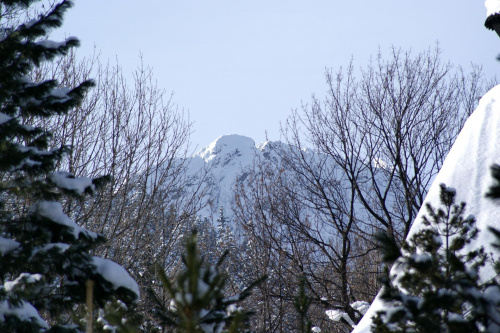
(231, 158)
(226, 160)
(228, 146)
(467, 169)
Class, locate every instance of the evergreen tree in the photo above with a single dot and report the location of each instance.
(207, 239)
(198, 303)
(45, 261)
(116, 317)
(434, 284)
(234, 265)
(225, 236)
(302, 302)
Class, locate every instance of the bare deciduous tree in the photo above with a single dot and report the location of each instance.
(135, 134)
(294, 234)
(389, 131)
(357, 163)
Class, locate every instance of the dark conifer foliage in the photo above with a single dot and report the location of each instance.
(302, 302)
(434, 284)
(494, 191)
(45, 256)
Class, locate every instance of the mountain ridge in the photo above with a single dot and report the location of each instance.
(228, 160)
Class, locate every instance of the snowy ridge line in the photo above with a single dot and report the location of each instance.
(231, 158)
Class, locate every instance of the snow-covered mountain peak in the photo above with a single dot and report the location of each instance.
(224, 160)
(228, 145)
(228, 161)
(270, 145)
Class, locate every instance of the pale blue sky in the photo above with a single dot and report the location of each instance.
(240, 66)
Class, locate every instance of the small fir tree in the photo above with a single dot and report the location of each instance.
(207, 239)
(302, 302)
(45, 260)
(117, 317)
(198, 303)
(434, 283)
(225, 236)
(226, 241)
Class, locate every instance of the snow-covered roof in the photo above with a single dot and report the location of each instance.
(492, 7)
(467, 169)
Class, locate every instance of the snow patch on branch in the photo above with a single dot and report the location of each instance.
(7, 245)
(24, 277)
(53, 211)
(68, 181)
(49, 44)
(337, 315)
(360, 306)
(4, 118)
(115, 274)
(63, 247)
(25, 311)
